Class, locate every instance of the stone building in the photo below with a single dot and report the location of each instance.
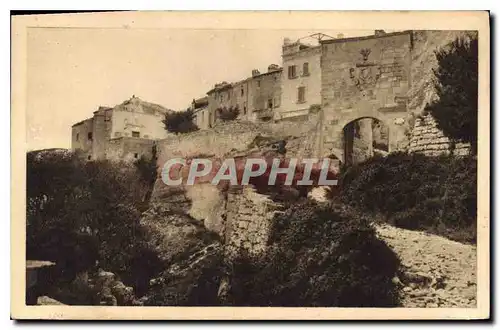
(126, 131)
(256, 97)
(200, 112)
(365, 77)
(301, 81)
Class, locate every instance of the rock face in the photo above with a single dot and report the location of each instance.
(436, 272)
(191, 255)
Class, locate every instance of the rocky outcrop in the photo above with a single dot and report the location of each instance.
(436, 272)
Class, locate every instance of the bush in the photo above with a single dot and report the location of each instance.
(456, 85)
(319, 255)
(82, 212)
(228, 113)
(180, 122)
(437, 194)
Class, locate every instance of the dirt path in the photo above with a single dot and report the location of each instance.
(436, 272)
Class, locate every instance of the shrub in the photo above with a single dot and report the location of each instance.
(228, 113)
(180, 122)
(416, 192)
(456, 85)
(82, 212)
(319, 255)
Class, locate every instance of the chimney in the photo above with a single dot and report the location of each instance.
(379, 33)
(255, 72)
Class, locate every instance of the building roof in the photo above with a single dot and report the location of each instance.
(201, 102)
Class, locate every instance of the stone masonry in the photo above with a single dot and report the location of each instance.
(428, 139)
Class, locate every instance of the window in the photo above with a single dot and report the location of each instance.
(258, 83)
(77, 136)
(136, 134)
(89, 157)
(270, 103)
(242, 92)
(136, 155)
(305, 69)
(244, 108)
(89, 135)
(301, 97)
(229, 95)
(292, 71)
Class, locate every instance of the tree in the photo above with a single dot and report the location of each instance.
(227, 114)
(180, 122)
(456, 85)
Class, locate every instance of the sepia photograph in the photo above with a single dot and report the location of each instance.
(197, 161)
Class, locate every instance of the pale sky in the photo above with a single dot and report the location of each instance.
(72, 71)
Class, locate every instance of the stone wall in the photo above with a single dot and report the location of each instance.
(249, 218)
(426, 138)
(366, 77)
(129, 148)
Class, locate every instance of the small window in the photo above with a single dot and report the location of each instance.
(89, 157)
(77, 136)
(258, 83)
(89, 135)
(242, 92)
(270, 103)
(305, 69)
(301, 95)
(292, 71)
(136, 155)
(136, 134)
(244, 108)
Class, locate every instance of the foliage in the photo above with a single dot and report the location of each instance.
(82, 212)
(148, 170)
(417, 192)
(320, 255)
(228, 113)
(180, 121)
(456, 85)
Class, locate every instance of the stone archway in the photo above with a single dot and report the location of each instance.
(364, 137)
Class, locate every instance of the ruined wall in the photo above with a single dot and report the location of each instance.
(426, 138)
(248, 221)
(80, 139)
(129, 148)
(101, 132)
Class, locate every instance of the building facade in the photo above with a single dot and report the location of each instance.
(301, 81)
(365, 77)
(126, 131)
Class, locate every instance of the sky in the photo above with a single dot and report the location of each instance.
(72, 71)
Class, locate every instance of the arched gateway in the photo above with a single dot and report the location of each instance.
(364, 77)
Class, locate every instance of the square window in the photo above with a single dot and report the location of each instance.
(136, 155)
(136, 134)
(89, 135)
